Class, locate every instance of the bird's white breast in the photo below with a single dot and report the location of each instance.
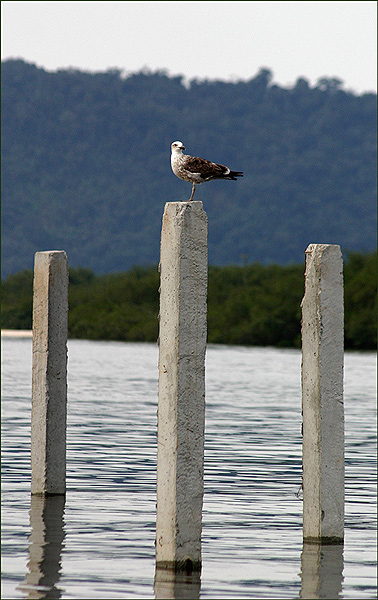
(178, 167)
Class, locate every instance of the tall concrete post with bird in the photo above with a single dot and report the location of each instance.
(181, 403)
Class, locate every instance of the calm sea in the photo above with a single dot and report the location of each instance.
(99, 542)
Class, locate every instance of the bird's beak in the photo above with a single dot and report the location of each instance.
(183, 148)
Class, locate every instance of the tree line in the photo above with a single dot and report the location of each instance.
(253, 304)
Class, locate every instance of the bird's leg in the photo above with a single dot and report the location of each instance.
(193, 188)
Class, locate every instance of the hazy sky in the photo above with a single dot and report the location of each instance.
(215, 40)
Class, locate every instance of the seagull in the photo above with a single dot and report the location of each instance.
(197, 170)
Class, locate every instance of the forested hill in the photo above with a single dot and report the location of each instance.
(86, 165)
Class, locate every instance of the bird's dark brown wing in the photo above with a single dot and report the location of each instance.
(206, 168)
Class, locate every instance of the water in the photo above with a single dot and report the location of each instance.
(99, 543)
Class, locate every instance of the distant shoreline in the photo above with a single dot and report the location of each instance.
(16, 333)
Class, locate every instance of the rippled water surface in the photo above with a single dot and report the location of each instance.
(99, 543)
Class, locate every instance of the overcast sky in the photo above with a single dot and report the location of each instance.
(214, 40)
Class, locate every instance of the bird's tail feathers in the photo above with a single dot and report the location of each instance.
(234, 174)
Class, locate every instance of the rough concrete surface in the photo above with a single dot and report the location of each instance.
(49, 377)
(181, 408)
(322, 395)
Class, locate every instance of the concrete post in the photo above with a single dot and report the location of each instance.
(181, 407)
(49, 379)
(322, 395)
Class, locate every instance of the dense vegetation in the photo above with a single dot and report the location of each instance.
(85, 167)
(249, 305)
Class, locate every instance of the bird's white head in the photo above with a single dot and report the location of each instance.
(177, 147)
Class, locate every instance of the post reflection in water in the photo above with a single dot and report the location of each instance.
(177, 585)
(322, 571)
(45, 547)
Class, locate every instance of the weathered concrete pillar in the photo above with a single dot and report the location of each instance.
(181, 407)
(49, 379)
(322, 395)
